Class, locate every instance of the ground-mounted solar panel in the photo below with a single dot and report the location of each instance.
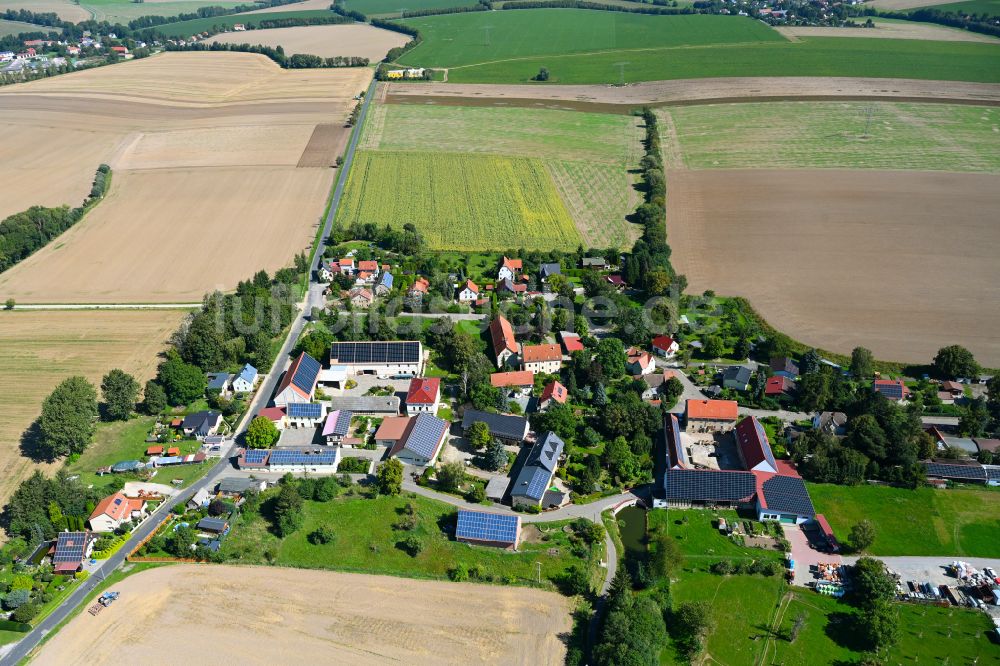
(948, 471)
(788, 494)
(480, 526)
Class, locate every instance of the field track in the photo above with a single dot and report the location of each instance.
(265, 614)
(902, 262)
(611, 99)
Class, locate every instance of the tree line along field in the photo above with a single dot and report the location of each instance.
(846, 135)
(394, 7)
(458, 40)
(951, 523)
(123, 11)
(586, 158)
(39, 349)
(459, 201)
(584, 47)
(251, 20)
(17, 27)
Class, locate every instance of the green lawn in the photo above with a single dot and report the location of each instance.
(460, 201)
(194, 26)
(700, 540)
(123, 11)
(393, 7)
(466, 39)
(989, 7)
(847, 135)
(366, 542)
(925, 521)
(586, 155)
(813, 56)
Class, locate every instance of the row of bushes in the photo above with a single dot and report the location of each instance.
(24, 233)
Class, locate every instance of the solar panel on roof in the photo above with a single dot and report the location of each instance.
(425, 435)
(947, 471)
(704, 485)
(992, 471)
(305, 410)
(256, 456)
(765, 444)
(295, 457)
(69, 547)
(482, 526)
(305, 375)
(788, 494)
(890, 390)
(366, 353)
(537, 482)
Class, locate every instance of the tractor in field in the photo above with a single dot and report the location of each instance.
(103, 602)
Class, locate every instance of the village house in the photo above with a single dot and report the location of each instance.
(754, 447)
(507, 428)
(422, 444)
(71, 549)
(617, 282)
(532, 485)
(423, 395)
(336, 427)
(502, 338)
(571, 342)
(469, 293)
(553, 393)
(594, 263)
(784, 366)
(891, 389)
(392, 430)
(779, 386)
(710, 415)
(508, 286)
(639, 362)
(384, 359)
(384, 285)
(275, 415)
(521, 380)
(361, 298)
(238, 486)
(665, 346)
(417, 292)
(736, 377)
(305, 414)
(201, 424)
(299, 382)
(218, 382)
(509, 269)
(546, 271)
(346, 266)
(831, 423)
(245, 380)
(545, 359)
(115, 510)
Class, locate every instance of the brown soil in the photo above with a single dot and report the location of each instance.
(891, 31)
(358, 39)
(187, 614)
(900, 262)
(696, 91)
(325, 145)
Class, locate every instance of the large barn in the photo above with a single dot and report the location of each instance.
(398, 358)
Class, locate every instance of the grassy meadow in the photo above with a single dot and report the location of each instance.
(459, 201)
(194, 26)
(586, 156)
(989, 7)
(458, 40)
(393, 7)
(123, 11)
(954, 523)
(17, 27)
(810, 56)
(367, 542)
(945, 137)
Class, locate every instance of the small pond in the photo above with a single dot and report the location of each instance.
(632, 526)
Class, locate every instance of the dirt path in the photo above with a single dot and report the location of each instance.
(187, 614)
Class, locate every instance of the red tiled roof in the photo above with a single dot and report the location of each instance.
(502, 336)
(636, 355)
(368, 265)
(471, 286)
(555, 391)
(420, 285)
(786, 468)
(346, 261)
(272, 413)
(537, 353)
(616, 280)
(712, 409)
(572, 344)
(115, 506)
(517, 378)
(154, 450)
(513, 264)
(393, 428)
(664, 342)
(173, 451)
(752, 441)
(423, 391)
(777, 385)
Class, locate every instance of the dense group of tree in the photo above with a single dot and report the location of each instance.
(661, 7)
(23, 233)
(42, 506)
(277, 54)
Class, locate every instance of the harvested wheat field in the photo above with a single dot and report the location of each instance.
(66, 9)
(890, 30)
(273, 615)
(359, 39)
(900, 262)
(217, 172)
(295, 6)
(39, 349)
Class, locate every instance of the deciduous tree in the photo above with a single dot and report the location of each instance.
(389, 477)
(120, 391)
(261, 433)
(66, 424)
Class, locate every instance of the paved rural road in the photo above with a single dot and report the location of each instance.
(314, 297)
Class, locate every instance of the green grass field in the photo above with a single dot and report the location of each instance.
(587, 155)
(123, 11)
(699, 539)
(954, 523)
(833, 135)
(989, 7)
(17, 27)
(813, 56)
(479, 37)
(459, 201)
(393, 7)
(195, 26)
(366, 542)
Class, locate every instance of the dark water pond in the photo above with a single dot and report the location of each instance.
(632, 525)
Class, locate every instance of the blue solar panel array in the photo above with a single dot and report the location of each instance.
(364, 353)
(69, 547)
(765, 444)
(992, 471)
(951, 471)
(788, 494)
(256, 456)
(343, 423)
(707, 485)
(425, 435)
(296, 457)
(308, 371)
(480, 526)
(675, 449)
(538, 480)
(893, 390)
(305, 410)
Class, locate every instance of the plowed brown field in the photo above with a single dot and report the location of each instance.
(900, 262)
(274, 616)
